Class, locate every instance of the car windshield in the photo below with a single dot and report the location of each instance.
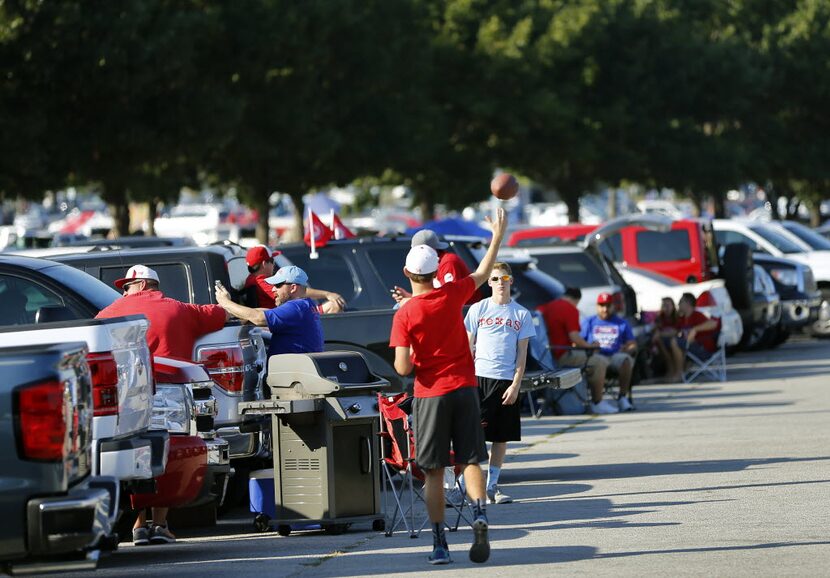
(776, 239)
(809, 236)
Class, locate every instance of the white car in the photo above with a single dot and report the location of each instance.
(713, 298)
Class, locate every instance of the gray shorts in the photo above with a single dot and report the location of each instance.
(453, 418)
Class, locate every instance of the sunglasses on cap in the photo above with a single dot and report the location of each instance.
(504, 278)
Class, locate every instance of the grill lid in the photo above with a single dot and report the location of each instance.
(297, 375)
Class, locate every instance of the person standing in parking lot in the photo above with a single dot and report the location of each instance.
(173, 331)
(429, 336)
(294, 322)
(261, 266)
(499, 330)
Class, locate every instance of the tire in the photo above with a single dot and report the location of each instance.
(738, 275)
(284, 530)
(379, 525)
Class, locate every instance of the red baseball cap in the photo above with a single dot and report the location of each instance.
(604, 298)
(259, 254)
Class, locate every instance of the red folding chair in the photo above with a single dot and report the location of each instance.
(398, 463)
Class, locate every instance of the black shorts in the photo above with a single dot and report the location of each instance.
(450, 418)
(501, 423)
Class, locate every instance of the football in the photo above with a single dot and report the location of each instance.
(504, 186)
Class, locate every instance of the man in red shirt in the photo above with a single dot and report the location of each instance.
(698, 333)
(174, 328)
(428, 335)
(260, 261)
(450, 266)
(562, 322)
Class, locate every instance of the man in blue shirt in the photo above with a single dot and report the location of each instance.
(499, 330)
(616, 343)
(294, 323)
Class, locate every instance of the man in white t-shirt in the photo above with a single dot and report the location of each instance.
(499, 330)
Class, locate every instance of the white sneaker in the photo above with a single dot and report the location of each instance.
(624, 403)
(603, 407)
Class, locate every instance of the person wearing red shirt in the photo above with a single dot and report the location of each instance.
(562, 322)
(259, 293)
(666, 328)
(429, 336)
(174, 328)
(698, 333)
(450, 266)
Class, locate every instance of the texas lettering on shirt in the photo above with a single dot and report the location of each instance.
(489, 321)
(606, 335)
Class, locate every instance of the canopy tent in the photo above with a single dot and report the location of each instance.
(453, 226)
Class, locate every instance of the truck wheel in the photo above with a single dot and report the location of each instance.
(284, 530)
(738, 275)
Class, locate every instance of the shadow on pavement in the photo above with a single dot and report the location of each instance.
(712, 549)
(638, 470)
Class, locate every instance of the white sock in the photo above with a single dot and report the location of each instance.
(493, 477)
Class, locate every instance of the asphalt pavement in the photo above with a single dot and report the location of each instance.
(723, 479)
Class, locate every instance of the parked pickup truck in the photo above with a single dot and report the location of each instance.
(42, 302)
(234, 356)
(57, 515)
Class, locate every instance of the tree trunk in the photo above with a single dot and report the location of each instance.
(572, 201)
(815, 214)
(121, 216)
(720, 206)
(612, 203)
(427, 207)
(263, 232)
(152, 213)
(299, 217)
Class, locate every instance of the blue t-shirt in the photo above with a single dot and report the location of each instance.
(295, 327)
(498, 329)
(611, 334)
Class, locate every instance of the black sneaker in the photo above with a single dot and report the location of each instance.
(141, 536)
(440, 555)
(480, 550)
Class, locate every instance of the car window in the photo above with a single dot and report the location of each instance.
(777, 240)
(725, 238)
(21, 298)
(532, 288)
(611, 247)
(329, 272)
(808, 236)
(572, 269)
(97, 293)
(238, 272)
(388, 264)
(173, 279)
(656, 246)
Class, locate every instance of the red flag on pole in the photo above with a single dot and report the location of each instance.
(341, 231)
(322, 234)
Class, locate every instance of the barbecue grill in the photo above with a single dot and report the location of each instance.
(324, 426)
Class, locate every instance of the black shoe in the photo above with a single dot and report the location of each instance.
(480, 550)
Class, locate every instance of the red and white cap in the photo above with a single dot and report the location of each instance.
(258, 254)
(136, 273)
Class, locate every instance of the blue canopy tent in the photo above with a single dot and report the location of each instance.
(453, 226)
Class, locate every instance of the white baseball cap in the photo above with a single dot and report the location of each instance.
(136, 273)
(422, 260)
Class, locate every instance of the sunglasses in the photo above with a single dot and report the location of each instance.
(504, 278)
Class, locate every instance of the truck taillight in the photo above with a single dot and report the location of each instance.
(225, 365)
(40, 411)
(706, 300)
(104, 372)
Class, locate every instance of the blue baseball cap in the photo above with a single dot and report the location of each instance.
(290, 274)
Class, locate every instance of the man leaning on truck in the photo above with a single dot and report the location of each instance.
(174, 329)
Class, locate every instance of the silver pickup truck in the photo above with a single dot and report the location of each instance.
(57, 515)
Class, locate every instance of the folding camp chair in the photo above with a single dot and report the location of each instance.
(713, 366)
(398, 462)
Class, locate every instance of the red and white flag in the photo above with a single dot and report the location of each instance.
(341, 231)
(321, 233)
